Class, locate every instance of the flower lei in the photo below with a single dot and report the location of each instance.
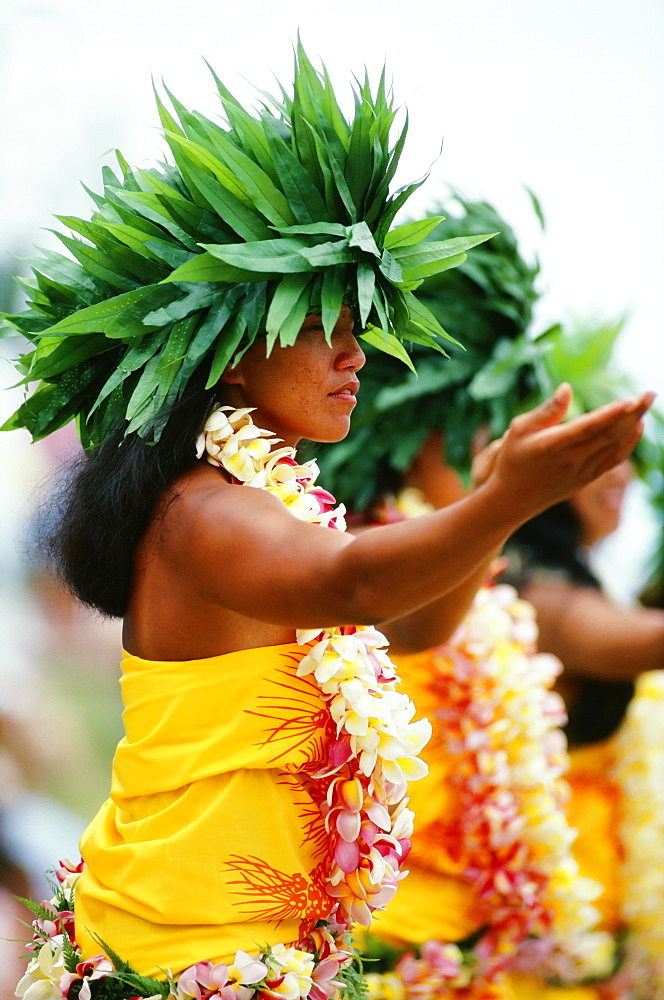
(639, 772)
(57, 971)
(513, 756)
(369, 762)
(501, 721)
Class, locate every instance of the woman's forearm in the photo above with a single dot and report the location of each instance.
(436, 622)
(437, 561)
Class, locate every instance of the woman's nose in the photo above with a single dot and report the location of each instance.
(351, 357)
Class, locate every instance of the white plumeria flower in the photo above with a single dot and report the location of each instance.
(295, 966)
(43, 974)
(246, 969)
(402, 827)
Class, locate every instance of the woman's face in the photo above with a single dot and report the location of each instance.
(598, 505)
(304, 391)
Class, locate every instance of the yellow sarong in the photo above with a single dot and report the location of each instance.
(212, 839)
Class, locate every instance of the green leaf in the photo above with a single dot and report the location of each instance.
(390, 268)
(197, 296)
(332, 297)
(316, 229)
(292, 325)
(196, 220)
(427, 383)
(504, 369)
(389, 344)
(214, 326)
(174, 353)
(381, 304)
(151, 207)
(144, 393)
(366, 283)
(201, 158)
(227, 347)
(424, 319)
(413, 232)
(428, 258)
(396, 202)
(124, 259)
(236, 172)
(254, 308)
(359, 166)
(306, 201)
(96, 318)
(209, 268)
(412, 278)
(97, 263)
(284, 301)
(282, 256)
(343, 189)
(328, 254)
(381, 212)
(362, 237)
(64, 355)
(241, 219)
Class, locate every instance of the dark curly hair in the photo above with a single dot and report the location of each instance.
(105, 501)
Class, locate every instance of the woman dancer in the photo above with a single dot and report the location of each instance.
(612, 684)
(258, 798)
(481, 890)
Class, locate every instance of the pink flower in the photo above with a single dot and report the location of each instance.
(62, 922)
(93, 968)
(203, 980)
(324, 984)
(444, 959)
(67, 868)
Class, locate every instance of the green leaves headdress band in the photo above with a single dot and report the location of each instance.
(246, 231)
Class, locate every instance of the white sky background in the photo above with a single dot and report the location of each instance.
(566, 96)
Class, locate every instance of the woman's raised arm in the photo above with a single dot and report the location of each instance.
(241, 550)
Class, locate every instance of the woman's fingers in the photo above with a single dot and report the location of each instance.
(547, 414)
(613, 424)
(547, 460)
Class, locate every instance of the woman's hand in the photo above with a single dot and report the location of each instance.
(539, 460)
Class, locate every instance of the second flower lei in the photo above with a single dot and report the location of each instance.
(366, 810)
(498, 717)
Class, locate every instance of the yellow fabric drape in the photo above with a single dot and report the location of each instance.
(595, 810)
(212, 838)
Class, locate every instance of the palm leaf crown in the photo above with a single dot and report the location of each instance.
(486, 303)
(248, 229)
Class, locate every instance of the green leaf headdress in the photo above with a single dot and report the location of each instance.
(487, 304)
(249, 228)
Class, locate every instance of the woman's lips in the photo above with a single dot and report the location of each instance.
(346, 393)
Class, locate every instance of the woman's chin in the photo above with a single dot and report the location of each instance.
(328, 435)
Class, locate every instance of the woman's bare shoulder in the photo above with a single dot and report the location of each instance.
(204, 509)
